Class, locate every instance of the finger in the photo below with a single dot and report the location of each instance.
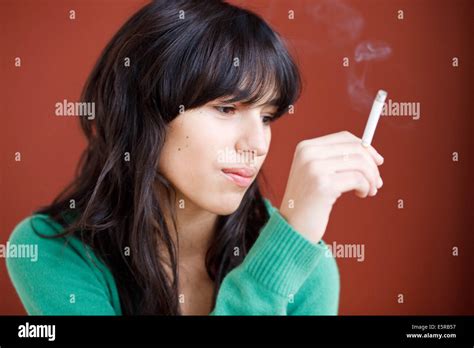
(343, 137)
(355, 162)
(374, 153)
(351, 180)
(345, 150)
(333, 138)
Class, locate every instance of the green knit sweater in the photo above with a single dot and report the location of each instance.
(282, 274)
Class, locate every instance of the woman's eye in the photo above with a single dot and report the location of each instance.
(227, 110)
(267, 119)
(230, 110)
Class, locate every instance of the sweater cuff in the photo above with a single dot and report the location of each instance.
(281, 258)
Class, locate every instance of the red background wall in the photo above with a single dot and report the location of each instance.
(407, 251)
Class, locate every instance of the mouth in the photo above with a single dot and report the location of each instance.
(242, 176)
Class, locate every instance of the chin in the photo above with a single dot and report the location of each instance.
(226, 204)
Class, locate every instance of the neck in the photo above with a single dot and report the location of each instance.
(194, 230)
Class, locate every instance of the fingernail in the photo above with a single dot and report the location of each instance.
(379, 182)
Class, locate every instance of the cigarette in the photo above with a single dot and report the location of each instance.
(374, 117)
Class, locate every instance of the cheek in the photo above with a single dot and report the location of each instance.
(193, 142)
(189, 160)
(187, 152)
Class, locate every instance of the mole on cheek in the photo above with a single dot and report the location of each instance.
(179, 149)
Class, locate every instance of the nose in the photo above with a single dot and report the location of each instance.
(254, 136)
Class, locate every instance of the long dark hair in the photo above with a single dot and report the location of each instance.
(168, 54)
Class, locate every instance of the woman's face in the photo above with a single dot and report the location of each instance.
(205, 147)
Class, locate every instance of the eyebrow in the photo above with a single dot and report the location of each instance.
(272, 102)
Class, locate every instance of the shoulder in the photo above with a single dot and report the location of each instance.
(26, 230)
(49, 271)
(31, 236)
(39, 236)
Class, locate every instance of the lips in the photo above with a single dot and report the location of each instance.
(242, 176)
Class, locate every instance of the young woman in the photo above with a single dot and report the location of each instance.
(157, 220)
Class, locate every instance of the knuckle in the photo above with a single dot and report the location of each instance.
(362, 155)
(320, 181)
(313, 169)
(365, 185)
(303, 155)
(349, 134)
(359, 157)
(301, 144)
(359, 178)
(323, 185)
(345, 133)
